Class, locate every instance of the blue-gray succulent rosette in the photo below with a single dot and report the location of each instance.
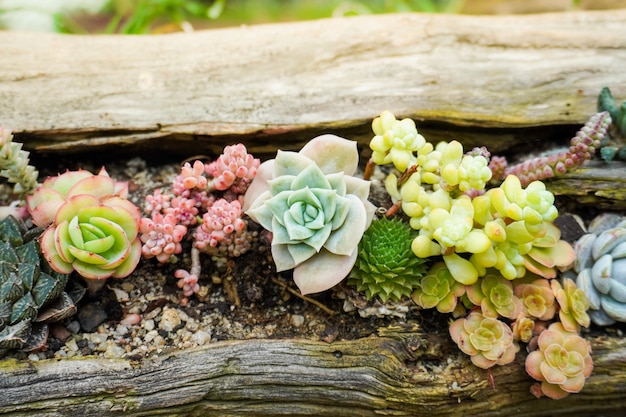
(316, 210)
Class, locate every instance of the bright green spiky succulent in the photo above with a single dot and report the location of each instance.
(385, 266)
(31, 293)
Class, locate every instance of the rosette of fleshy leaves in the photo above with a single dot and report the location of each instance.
(316, 210)
(537, 296)
(561, 363)
(601, 268)
(14, 164)
(487, 340)
(495, 296)
(31, 293)
(395, 141)
(91, 227)
(438, 288)
(385, 267)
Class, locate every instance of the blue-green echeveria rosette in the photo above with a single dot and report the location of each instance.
(316, 210)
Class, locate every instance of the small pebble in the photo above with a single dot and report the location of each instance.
(131, 319)
(114, 351)
(72, 345)
(121, 295)
(152, 314)
(169, 320)
(148, 325)
(296, 320)
(33, 357)
(201, 337)
(73, 326)
(98, 338)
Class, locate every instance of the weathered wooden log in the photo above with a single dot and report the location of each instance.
(503, 82)
(597, 183)
(494, 81)
(400, 373)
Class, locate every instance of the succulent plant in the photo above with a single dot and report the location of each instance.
(573, 305)
(235, 168)
(316, 210)
(607, 103)
(31, 293)
(161, 236)
(601, 268)
(523, 328)
(537, 299)
(396, 141)
(561, 363)
(48, 198)
(14, 164)
(91, 227)
(494, 294)
(385, 266)
(438, 288)
(223, 229)
(488, 341)
(582, 148)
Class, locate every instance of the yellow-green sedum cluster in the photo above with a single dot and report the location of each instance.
(507, 228)
(500, 252)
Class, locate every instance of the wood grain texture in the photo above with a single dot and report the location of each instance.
(398, 373)
(281, 82)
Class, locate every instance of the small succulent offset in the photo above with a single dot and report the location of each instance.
(385, 266)
(488, 341)
(561, 363)
(316, 210)
(14, 164)
(91, 227)
(601, 268)
(438, 288)
(31, 293)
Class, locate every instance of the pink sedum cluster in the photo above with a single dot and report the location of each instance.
(161, 236)
(233, 167)
(219, 223)
(207, 198)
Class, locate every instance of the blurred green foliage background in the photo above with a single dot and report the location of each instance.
(159, 16)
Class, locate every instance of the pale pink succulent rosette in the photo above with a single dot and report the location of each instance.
(334, 156)
(562, 363)
(488, 341)
(91, 227)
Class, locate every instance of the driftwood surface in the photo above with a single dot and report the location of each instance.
(497, 81)
(399, 373)
(508, 82)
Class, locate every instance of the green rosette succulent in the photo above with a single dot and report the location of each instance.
(31, 293)
(97, 237)
(385, 265)
(494, 294)
(91, 227)
(316, 210)
(439, 289)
